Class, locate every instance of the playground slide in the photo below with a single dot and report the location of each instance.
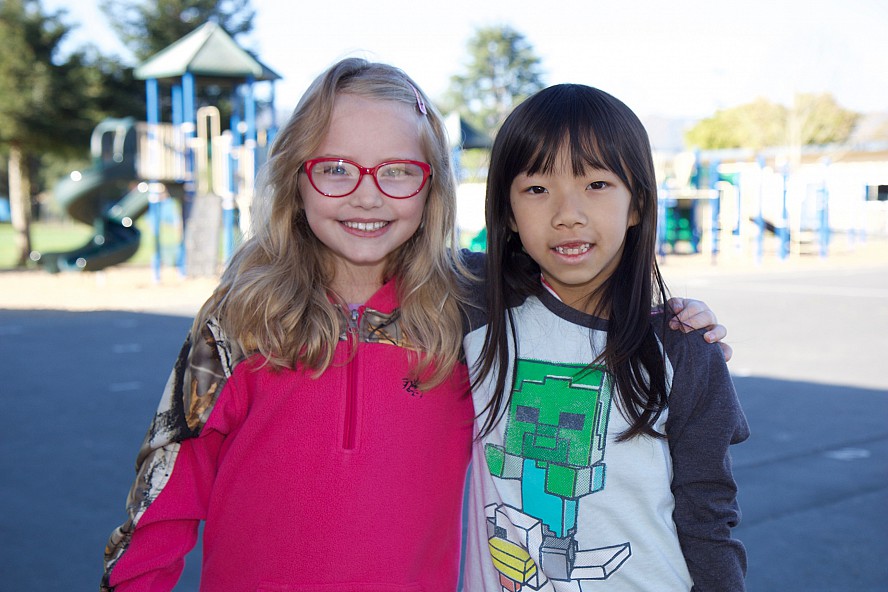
(108, 198)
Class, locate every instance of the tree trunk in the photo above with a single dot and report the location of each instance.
(20, 203)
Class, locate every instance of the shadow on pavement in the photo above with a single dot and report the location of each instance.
(813, 481)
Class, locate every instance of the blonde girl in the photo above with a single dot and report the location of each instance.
(316, 420)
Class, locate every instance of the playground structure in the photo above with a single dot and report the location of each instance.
(712, 201)
(137, 166)
(743, 203)
(731, 200)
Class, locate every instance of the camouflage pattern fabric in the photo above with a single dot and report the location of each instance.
(188, 398)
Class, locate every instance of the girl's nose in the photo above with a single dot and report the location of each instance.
(569, 212)
(367, 195)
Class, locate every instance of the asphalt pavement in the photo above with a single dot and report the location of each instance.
(810, 356)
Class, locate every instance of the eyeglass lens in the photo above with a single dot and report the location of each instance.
(396, 179)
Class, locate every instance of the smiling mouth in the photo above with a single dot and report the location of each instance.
(573, 249)
(365, 226)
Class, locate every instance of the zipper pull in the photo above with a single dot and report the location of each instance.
(353, 321)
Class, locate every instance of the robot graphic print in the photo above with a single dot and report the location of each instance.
(554, 443)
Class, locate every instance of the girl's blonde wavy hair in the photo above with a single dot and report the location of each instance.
(273, 297)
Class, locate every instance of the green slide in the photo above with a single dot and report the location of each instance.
(108, 197)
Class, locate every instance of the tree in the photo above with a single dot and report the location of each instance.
(754, 125)
(41, 102)
(818, 119)
(501, 72)
(108, 87)
(812, 119)
(148, 26)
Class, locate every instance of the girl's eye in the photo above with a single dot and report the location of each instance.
(598, 185)
(334, 170)
(536, 189)
(391, 172)
(395, 171)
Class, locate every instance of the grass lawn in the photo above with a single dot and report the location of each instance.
(69, 235)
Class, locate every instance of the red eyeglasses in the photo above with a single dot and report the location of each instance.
(337, 177)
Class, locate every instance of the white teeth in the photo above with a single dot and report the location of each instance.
(573, 250)
(365, 226)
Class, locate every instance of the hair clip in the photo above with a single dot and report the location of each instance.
(420, 104)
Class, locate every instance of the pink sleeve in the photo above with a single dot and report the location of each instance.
(175, 467)
(155, 556)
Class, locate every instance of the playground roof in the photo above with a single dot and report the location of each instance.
(472, 138)
(208, 51)
(464, 135)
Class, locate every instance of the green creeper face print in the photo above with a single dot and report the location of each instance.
(558, 417)
(554, 444)
(554, 420)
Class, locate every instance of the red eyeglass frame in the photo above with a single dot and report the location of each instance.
(424, 166)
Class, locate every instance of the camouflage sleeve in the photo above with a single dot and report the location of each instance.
(200, 372)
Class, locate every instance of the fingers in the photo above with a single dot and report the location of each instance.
(692, 315)
(715, 333)
(727, 350)
(677, 304)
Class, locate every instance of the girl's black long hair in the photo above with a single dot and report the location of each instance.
(595, 130)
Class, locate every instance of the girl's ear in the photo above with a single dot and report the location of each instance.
(634, 218)
(512, 224)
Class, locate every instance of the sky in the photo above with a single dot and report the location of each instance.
(682, 59)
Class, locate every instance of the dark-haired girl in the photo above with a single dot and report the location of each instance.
(601, 456)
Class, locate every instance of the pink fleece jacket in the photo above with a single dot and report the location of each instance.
(349, 481)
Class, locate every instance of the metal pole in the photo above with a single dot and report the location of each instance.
(759, 218)
(233, 168)
(152, 115)
(784, 226)
(715, 207)
(189, 120)
(823, 207)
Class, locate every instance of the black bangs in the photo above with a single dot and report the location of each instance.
(572, 117)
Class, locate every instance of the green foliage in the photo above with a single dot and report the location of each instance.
(502, 71)
(49, 106)
(754, 125)
(31, 85)
(148, 26)
(813, 119)
(818, 119)
(108, 86)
